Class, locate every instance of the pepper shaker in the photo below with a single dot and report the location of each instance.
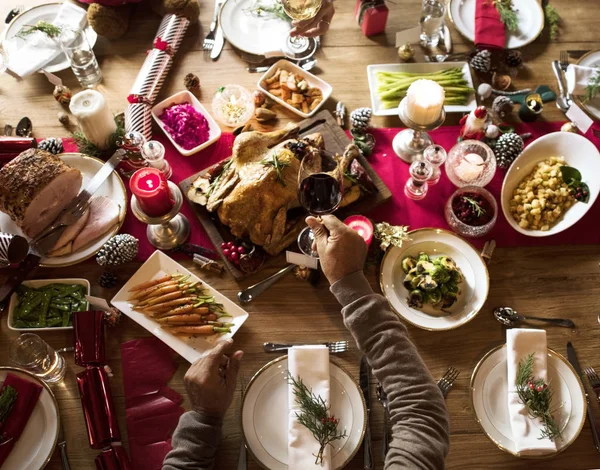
(436, 155)
(416, 186)
(154, 153)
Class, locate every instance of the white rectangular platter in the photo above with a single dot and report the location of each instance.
(190, 348)
(417, 68)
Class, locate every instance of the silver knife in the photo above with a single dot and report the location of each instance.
(572, 356)
(365, 372)
(219, 39)
(62, 445)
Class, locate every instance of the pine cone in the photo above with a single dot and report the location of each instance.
(191, 82)
(108, 279)
(63, 118)
(513, 58)
(502, 106)
(482, 61)
(508, 147)
(52, 145)
(118, 250)
(361, 117)
(62, 94)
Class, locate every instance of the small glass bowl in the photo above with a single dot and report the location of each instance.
(462, 228)
(233, 105)
(471, 163)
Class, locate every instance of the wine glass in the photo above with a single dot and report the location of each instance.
(301, 10)
(320, 191)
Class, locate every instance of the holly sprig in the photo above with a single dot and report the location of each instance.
(508, 15)
(314, 415)
(536, 395)
(578, 189)
(277, 164)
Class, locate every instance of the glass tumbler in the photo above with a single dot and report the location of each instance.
(471, 163)
(33, 354)
(432, 22)
(83, 61)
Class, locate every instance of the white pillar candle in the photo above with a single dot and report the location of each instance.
(95, 119)
(470, 168)
(424, 102)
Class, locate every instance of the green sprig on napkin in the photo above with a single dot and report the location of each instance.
(50, 30)
(508, 15)
(593, 87)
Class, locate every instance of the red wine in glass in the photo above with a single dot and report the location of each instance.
(320, 193)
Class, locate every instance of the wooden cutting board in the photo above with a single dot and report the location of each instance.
(336, 141)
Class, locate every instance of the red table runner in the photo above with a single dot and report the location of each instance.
(394, 172)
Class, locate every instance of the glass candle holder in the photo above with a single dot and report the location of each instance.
(470, 163)
(436, 155)
(81, 56)
(471, 211)
(416, 186)
(531, 108)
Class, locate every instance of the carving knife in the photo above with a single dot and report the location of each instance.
(365, 372)
(572, 356)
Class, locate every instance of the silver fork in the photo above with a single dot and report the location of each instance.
(209, 40)
(592, 376)
(243, 457)
(382, 397)
(335, 347)
(564, 60)
(447, 380)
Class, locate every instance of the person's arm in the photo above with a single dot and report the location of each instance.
(418, 412)
(210, 383)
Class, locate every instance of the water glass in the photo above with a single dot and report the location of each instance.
(33, 354)
(83, 61)
(432, 22)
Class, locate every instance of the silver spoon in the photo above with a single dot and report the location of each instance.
(509, 317)
(306, 64)
(250, 293)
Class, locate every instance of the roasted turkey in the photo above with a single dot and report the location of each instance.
(256, 189)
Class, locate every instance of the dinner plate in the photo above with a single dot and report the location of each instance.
(578, 152)
(591, 59)
(190, 348)
(265, 415)
(112, 188)
(436, 242)
(46, 12)
(489, 400)
(529, 12)
(376, 105)
(250, 33)
(37, 442)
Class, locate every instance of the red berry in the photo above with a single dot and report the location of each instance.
(226, 252)
(539, 388)
(531, 386)
(241, 250)
(230, 245)
(223, 245)
(234, 256)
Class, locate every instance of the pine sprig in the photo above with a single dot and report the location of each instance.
(593, 87)
(479, 211)
(552, 20)
(314, 415)
(508, 15)
(89, 148)
(8, 397)
(277, 164)
(536, 395)
(261, 9)
(50, 30)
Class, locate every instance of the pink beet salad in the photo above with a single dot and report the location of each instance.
(188, 127)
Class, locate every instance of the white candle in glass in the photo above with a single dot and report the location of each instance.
(95, 119)
(424, 102)
(470, 168)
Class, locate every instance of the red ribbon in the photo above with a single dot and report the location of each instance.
(135, 99)
(162, 45)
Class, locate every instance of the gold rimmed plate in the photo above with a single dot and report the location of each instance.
(436, 242)
(489, 400)
(112, 188)
(265, 415)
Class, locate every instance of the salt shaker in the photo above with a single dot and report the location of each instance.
(416, 186)
(154, 153)
(436, 155)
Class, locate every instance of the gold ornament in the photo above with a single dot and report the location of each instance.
(570, 127)
(406, 52)
(62, 94)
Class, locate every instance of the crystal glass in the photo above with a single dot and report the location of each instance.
(432, 22)
(487, 219)
(470, 163)
(298, 47)
(83, 61)
(436, 155)
(416, 187)
(32, 353)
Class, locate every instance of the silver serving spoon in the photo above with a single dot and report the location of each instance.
(250, 293)
(509, 317)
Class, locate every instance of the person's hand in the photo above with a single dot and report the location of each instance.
(342, 251)
(316, 26)
(210, 381)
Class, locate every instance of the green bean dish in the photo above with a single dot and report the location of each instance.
(48, 306)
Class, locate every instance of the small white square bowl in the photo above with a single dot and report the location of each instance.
(312, 80)
(214, 131)
(41, 283)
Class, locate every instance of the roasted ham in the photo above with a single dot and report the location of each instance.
(35, 187)
(104, 215)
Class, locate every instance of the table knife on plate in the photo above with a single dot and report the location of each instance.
(48, 237)
(572, 356)
(62, 445)
(365, 372)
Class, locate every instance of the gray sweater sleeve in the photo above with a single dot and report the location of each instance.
(195, 443)
(418, 412)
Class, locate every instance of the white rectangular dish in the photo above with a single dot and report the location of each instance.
(41, 283)
(214, 131)
(190, 348)
(313, 81)
(376, 104)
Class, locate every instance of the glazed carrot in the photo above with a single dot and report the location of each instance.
(168, 305)
(141, 294)
(184, 318)
(145, 285)
(176, 311)
(158, 300)
(193, 330)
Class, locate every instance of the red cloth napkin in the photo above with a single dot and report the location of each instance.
(489, 29)
(27, 398)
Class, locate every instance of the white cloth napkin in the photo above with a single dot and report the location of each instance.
(578, 78)
(311, 364)
(27, 57)
(520, 343)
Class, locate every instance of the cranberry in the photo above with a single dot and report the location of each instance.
(241, 250)
(226, 252)
(230, 245)
(234, 256)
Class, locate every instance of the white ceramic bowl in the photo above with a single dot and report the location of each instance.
(578, 152)
(187, 97)
(41, 283)
(313, 81)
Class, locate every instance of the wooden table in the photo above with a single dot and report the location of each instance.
(553, 281)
